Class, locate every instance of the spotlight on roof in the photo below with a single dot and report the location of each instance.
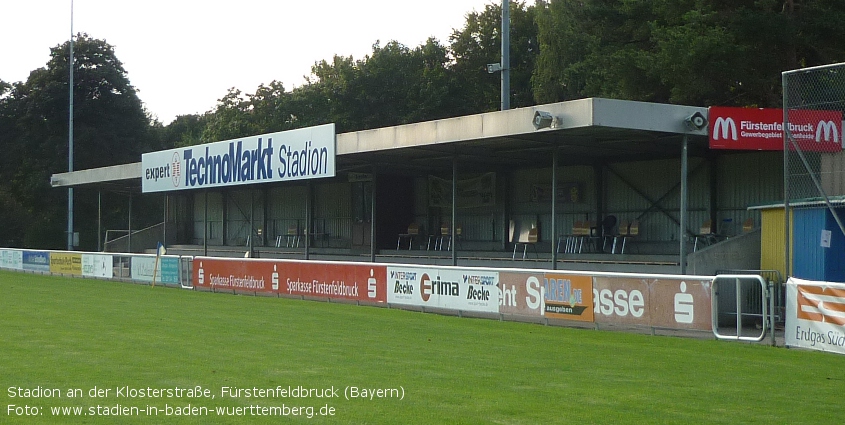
(542, 119)
(696, 121)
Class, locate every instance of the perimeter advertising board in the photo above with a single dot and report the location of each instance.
(568, 297)
(166, 269)
(522, 293)
(815, 315)
(355, 282)
(762, 129)
(98, 265)
(11, 259)
(662, 303)
(304, 153)
(66, 263)
(446, 288)
(540, 294)
(36, 261)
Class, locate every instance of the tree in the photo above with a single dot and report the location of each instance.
(110, 127)
(185, 130)
(696, 52)
(394, 85)
(479, 43)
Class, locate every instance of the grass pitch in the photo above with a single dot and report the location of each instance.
(74, 334)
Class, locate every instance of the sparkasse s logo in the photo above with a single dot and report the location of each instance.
(829, 130)
(725, 127)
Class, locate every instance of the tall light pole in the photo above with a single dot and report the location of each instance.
(506, 55)
(504, 66)
(70, 138)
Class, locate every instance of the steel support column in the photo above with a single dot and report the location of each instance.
(308, 217)
(205, 227)
(682, 234)
(129, 225)
(453, 237)
(99, 221)
(554, 209)
(373, 218)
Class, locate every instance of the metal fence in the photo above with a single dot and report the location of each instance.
(814, 163)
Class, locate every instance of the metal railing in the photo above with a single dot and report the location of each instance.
(744, 291)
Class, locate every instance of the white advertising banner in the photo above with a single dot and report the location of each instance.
(447, 288)
(165, 270)
(11, 259)
(98, 265)
(815, 315)
(304, 153)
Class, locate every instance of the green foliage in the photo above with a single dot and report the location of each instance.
(394, 85)
(695, 52)
(110, 127)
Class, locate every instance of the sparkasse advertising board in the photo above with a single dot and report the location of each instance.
(325, 280)
(304, 153)
(762, 129)
(663, 303)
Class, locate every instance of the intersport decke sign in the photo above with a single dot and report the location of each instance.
(762, 129)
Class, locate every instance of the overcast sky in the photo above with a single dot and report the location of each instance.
(183, 55)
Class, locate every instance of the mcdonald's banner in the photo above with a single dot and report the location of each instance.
(815, 315)
(762, 129)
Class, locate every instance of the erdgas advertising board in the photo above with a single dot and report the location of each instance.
(304, 153)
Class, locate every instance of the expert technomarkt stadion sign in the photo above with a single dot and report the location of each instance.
(305, 153)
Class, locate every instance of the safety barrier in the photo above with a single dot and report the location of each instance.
(742, 285)
(595, 299)
(167, 270)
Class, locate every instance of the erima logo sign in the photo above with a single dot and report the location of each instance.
(827, 129)
(429, 287)
(725, 127)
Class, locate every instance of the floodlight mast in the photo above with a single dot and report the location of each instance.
(506, 55)
(70, 138)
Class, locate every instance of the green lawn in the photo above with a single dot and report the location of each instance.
(80, 334)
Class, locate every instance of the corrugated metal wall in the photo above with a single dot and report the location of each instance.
(745, 180)
(524, 209)
(215, 217)
(244, 209)
(817, 256)
(808, 260)
(649, 192)
(285, 209)
(475, 223)
(772, 240)
(333, 210)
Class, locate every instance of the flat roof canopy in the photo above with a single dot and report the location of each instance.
(583, 131)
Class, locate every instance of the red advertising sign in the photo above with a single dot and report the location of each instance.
(762, 129)
(361, 282)
(233, 275)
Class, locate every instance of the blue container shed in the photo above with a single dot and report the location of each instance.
(818, 244)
